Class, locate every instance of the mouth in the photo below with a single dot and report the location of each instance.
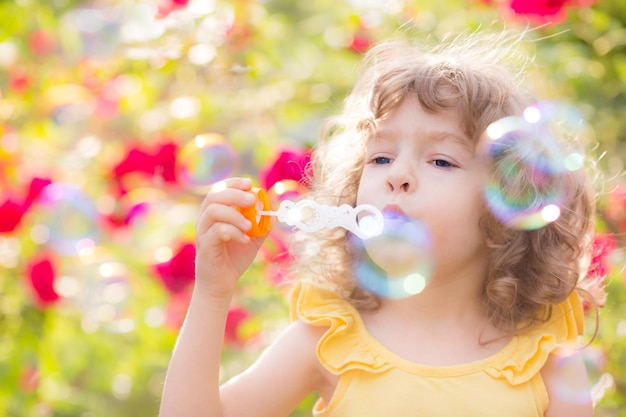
(394, 215)
(393, 210)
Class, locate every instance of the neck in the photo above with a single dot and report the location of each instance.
(450, 300)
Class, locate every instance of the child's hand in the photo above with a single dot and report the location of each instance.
(223, 250)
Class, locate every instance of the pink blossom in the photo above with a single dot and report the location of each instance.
(539, 11)
(41, 43)
(34, 190)
(290, 164)
(19, 80)
(41, 274)
(28, 379)
(538, 7)
(13, 208)
(361, 42)
(168, 6)
(10, 215)
(599, 269)
(236, 318)
(179, 272)
(149, 165)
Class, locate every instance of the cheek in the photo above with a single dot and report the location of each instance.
(364, 192)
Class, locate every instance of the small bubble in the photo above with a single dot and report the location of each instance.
(205, 161)
(397, 263)
(70, 219)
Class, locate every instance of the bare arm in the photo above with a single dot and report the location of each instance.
(565, 378)
(284, 374)
(282, 377)
(223, 253)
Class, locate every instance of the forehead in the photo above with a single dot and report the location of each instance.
(410, 120)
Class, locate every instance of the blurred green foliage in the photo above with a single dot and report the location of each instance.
(264, 74)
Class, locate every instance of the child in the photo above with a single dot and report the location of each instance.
(489, 334)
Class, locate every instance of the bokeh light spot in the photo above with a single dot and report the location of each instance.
(532, 114)
(550, 213)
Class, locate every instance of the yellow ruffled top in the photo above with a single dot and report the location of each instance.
(374, 381)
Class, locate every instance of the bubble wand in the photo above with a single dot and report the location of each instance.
(364, 220)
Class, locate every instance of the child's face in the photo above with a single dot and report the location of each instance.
(423, 165)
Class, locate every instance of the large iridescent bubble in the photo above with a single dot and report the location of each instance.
(209, 158)
(70, 218)
(93, 32)
(528, 158)
(101, 291)
(397, 263)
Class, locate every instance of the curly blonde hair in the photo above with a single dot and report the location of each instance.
(480, 76)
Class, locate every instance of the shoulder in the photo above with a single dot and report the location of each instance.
(565, 378)
(285, 373)
(298, 343)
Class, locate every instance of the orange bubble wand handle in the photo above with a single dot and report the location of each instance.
(257, 213)
(365, 220)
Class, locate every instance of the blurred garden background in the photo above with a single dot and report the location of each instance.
(115, 116)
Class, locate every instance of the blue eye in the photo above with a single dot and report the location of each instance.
(442, 163)
(382, 160)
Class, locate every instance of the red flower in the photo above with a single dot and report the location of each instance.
(151, 165)
(41, 275)
(233, 333)
(168, 6)
(239, 35)
(28, 379)
(179, 272)
(599, 269)
(124, 214)
(538, 7)
(136, 160)
(540, 11)
(165, 161)
(41, 43)
(361, 42)
(34, 190)
(12, 210)
(290, 165)
(19, 80)
(10, 216)
(602, 247)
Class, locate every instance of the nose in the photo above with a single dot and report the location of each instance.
(401, 178)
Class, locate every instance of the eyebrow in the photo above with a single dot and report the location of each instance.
(436, 136)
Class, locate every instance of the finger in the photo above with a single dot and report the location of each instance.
(233, 191)
(220, 213)
(227, 232)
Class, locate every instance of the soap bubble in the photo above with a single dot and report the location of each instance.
(70, 218)
(566, 360)
(92, 32)
(285, 190)
(528, 161)
(101, 291)
(68, 103)
(398, 262)
(154, 219)
(205, 161)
